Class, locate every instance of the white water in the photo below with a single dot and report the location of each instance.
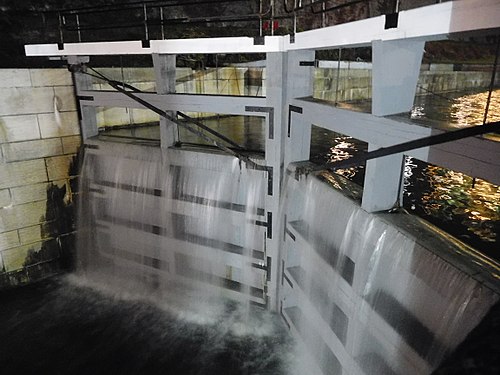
(161, 225)
(368, 294)
(180, 228)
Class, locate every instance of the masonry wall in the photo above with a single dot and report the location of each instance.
(354, 83)
(39, 139)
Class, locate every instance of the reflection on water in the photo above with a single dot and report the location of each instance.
(247, 131)
(466, 207)
(457, 110)
(328, 147)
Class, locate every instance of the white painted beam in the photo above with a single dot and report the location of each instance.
(168, 46)
(363, 126)
(233, 105)
(426, 23)
(475, 156)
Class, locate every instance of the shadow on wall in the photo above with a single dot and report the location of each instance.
(55, 254)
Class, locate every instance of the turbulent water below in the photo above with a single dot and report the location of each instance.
(64, 326)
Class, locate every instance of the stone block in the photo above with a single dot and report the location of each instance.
(18, 257)
(145, 86)
(71, 144)
(58, 167)
(32, 193)
(183, 73)
(22, 173)
(129, 75)
(31, 234)
(13, 259)
(441, 67)
(18, 128)
(66, 123)
(9, 239)
(23, 215)
(133, 75)
(5, 198)
(50, 77)
(32, 149)
(65, 98)
(15, 78)
(26, 100)
(29, 193)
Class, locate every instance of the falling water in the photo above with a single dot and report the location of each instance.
(187, 230)
(181, 228)
(364, 295)
(170, 226)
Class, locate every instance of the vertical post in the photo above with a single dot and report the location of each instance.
(78, 28)
(396, 67)
(299, 83)
(162, 24)
(382, 182)
(61, 35)
(87, 114)
(164, 66)
(288, 75)
(276, 70)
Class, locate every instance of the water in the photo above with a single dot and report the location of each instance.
(179, 229)
(456, 109)
(365, 296)
(465, 207)
(69, 326)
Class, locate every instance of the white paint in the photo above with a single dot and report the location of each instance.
(430, 22)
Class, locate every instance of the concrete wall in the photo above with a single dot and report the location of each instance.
(39, 137)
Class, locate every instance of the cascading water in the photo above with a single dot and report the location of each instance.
(150, 218)
(363, 295)
(188, 229)
(181, 228)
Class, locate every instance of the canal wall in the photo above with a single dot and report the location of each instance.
(352, 81)
(39, 141)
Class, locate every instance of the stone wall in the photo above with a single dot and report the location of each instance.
(39, 138)
(354, 80)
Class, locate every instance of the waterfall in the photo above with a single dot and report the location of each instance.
(360, 292)
(184, 227)
(364, 295)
